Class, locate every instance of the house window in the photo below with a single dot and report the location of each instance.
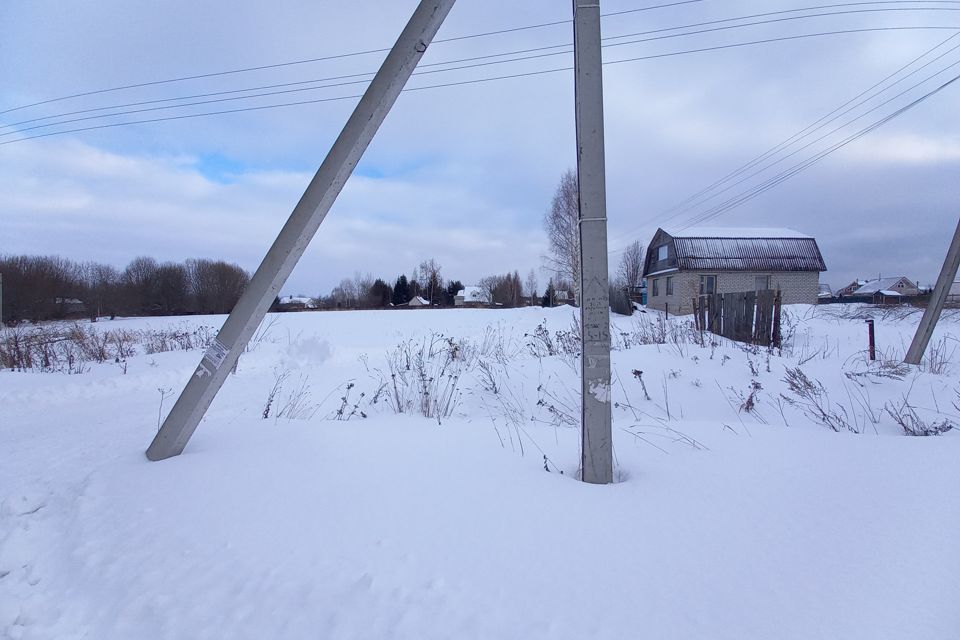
(662, 252)
(708, 285)
(656, 288)
(670, 286)
(762, 283)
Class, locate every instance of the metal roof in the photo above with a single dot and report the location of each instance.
(748, 254)
(734, 232)
(882, 285)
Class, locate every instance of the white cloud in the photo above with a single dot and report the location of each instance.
(97, 205)
(905, 149)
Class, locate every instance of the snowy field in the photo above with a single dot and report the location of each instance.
(412, 474)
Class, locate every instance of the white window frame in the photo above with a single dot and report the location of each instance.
(662, 253)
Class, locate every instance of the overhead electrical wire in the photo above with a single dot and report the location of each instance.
(421, 72)
(465, 37)
(291, 63)
(479, 80)
(522, 51)
(425, 68)
(704, 194)
(806, 164)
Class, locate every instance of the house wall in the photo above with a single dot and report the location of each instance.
(797, 287)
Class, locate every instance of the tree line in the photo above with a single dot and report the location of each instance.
(427, 282)
(38, 288)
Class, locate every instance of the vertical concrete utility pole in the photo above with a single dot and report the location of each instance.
(597, 445)
(939, 296)
(299, 229)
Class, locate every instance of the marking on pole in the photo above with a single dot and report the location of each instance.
(201, 371)
(600, 391)
(216, 353)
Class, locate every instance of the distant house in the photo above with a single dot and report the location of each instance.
(826, 292)
(887, 290)
(562, 296)
(682, 265)
(417, 301)
(850, 288)
(471, 297)
(296, 303)
(70, 306)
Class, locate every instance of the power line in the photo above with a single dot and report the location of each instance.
(484, 80)
(509, 53)
(418, 73)
(845, 108)
(806, 164)
(326, 58)
(452, 39)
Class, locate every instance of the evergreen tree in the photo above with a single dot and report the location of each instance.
(548, 295)
(401, 291)
(450, 293)
(380, 293)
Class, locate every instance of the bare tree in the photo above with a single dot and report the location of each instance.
(428, 275)
(215, 286)
(345, 294)
(488, 286)
(531, 286)
(563, 234)
(630, 272)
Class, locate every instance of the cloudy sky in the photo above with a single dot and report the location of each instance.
(464, 173)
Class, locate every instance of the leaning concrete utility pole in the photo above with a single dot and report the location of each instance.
(299, 229)
(597, 445)
(939, 296)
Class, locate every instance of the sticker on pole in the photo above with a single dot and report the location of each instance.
(216, 353)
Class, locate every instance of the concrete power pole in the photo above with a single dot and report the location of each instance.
(597, 444)
(299, 229)
(939, 296)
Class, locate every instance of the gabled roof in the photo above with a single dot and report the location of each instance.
(883, 285)
(734, 232)
(304, 300)
(745, 249)
(473, 294)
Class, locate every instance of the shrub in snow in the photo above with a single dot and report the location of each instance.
(68, 348)
(811, 397)
(905, 415)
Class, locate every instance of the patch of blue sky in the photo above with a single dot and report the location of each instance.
(219, 168)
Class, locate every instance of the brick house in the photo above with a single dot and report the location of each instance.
(682, 265)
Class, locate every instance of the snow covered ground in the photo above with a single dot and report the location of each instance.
(737, 512)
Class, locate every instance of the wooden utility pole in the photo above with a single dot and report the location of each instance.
(937, 299)
(597, 445)
(299, 229)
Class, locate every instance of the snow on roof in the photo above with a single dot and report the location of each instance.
(883, 286)
(473, 294)
(417, 301)
(735, 232)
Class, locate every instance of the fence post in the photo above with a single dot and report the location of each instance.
(777, 337)
(873, 342)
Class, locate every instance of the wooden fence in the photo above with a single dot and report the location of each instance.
(749, 316)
